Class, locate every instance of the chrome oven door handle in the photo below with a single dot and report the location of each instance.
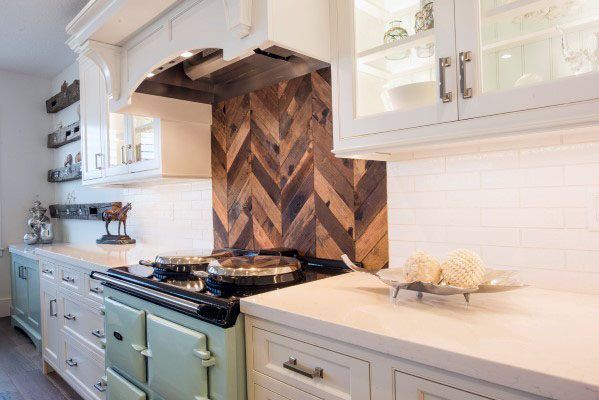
(444, 63)
(465, 56)
(291, 365)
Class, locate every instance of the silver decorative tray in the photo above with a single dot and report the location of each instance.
(495, 280)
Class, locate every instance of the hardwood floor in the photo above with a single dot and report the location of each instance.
(21, 376)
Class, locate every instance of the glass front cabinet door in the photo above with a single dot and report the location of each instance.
(523, 54)
(412, 72)
(396, 64)
(132, 145)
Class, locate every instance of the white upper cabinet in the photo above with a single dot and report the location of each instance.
(404, 78)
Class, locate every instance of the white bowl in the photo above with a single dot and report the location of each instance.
(412, 95)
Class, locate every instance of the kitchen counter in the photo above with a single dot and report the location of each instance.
(539, 341)
(93, 256)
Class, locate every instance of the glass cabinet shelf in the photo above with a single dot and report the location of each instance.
(531, 41)
(380, 60)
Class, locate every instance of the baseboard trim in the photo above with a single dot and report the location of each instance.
(5, 307)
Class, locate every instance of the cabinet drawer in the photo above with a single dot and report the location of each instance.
(261, 393)
(48, 270)
(410, 387)
(83, 368)
(93, 289)
(313, 369)
(82, 321)
(70, 278)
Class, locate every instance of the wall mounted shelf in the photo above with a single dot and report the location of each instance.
(89, 211)
(69, 94)
(65, 135)
(65, 174)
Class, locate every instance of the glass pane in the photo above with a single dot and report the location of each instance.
(143, 138)
(116, 140)
(395, 55)
(530, 41)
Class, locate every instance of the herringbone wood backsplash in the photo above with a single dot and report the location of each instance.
(276, 183)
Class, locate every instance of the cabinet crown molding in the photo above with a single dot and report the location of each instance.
(108, 58)
(238, 14)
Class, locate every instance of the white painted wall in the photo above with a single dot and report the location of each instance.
(519, 203)
(175, 215)
(24, 160)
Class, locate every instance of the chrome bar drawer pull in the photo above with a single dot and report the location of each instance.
(53, 313)
(97, 290)
(465, 56)
(444, 63)
(70, 317)
(98, 333)
(48, 271)
(68, 279)
(71, 363)
(100, 386)
(291, 365)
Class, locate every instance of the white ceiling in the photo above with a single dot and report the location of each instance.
(32, 35)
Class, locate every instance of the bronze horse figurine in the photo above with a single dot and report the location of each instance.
(117, 213)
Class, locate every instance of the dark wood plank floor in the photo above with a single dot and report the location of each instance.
(21, 376)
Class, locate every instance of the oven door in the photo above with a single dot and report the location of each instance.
(121, 389)
(125, 339)
(178, 360)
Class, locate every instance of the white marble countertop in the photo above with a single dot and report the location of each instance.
(93, 256)
(539, 341)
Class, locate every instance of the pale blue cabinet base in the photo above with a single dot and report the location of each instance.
(34, 335)
(25, 305)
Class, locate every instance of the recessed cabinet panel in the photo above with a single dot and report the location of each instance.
(94, 104)
(125, 338)
(409, 387)
(19, 295)
(189, 379)
(396, 65)
(529, 54)
(50, 323)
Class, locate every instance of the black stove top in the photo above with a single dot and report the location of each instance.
(195, 293)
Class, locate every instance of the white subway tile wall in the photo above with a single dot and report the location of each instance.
(519, 203)
(177, 216)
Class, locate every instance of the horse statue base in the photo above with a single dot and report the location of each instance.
(115, 239)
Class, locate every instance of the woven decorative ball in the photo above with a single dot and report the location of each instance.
(463, 268)
(421, 267)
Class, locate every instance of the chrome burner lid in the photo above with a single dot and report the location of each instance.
(245, 266)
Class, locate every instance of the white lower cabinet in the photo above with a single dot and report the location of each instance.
(410, 387)
(73, 327)
(289, 363)
(313, 369)
(261, 393)
(83, 368)
(81, 321)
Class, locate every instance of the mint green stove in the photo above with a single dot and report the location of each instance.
(153, 352)
(173, 326)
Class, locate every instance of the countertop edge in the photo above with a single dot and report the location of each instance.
(509, 376)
